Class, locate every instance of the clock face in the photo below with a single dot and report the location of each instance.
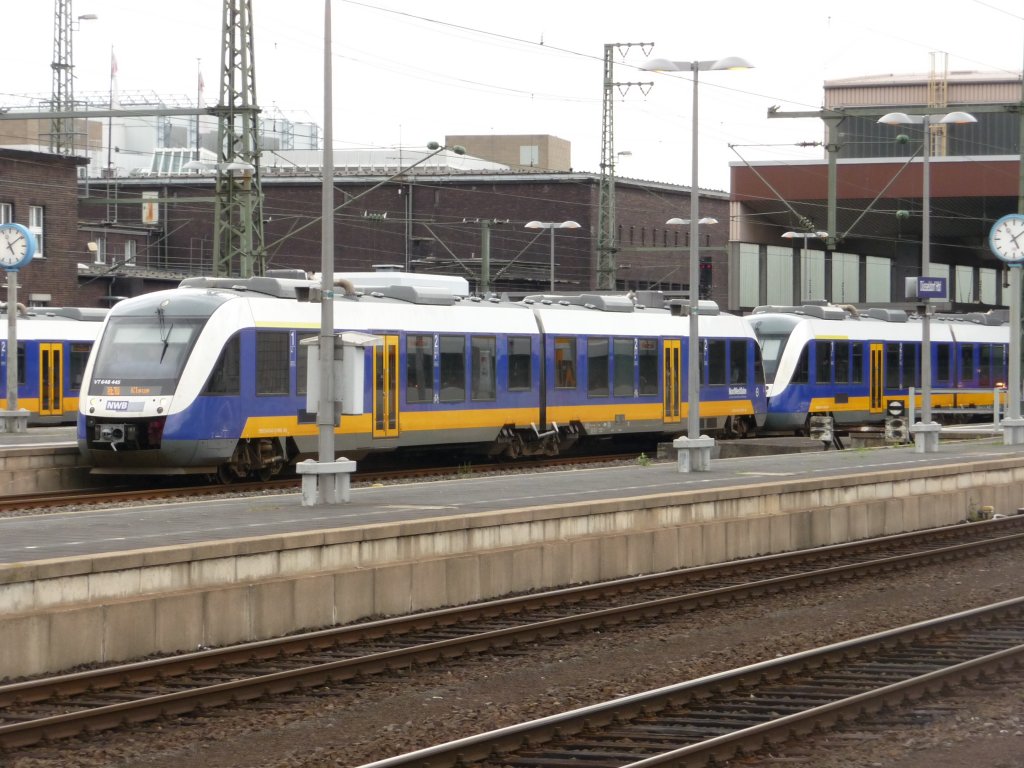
(17, 246)
(1007, 239)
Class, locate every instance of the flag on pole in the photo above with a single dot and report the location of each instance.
(113, 80)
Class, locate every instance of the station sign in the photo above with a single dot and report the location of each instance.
(932, 288)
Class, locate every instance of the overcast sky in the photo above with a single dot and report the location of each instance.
(408, 72)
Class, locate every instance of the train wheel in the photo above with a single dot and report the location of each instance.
(225, 475)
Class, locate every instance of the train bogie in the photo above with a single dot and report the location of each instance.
(213, 376)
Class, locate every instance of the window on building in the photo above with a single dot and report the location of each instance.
(845, 278)
(6, 213)
(129, 252)
(529, 155)
(877, 277)
(272, 358)
(778, 275)
(101, 250)
(35, 226)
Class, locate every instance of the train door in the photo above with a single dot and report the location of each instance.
(876, 403)
(385, 388)
(51, 379)
(671, 354)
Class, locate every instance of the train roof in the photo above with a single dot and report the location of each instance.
(83, 314)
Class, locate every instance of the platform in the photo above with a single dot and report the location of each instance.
(114, 584)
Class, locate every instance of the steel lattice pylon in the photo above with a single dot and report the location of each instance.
(62, 99)
(238, 210)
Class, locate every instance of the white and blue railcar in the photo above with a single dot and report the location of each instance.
(211, 377)
(836, 361)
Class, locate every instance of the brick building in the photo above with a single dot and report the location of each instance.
(429, 221)
(39, 190)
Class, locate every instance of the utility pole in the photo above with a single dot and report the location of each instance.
(238, 207)
(606, 224)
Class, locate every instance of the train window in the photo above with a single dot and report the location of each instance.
(483, 349)
(893, 364)
(272, 359)
(597, 367)
(565, 363)
(985, 377)
(76, 366)
(623, 367)
(967, 372)
(738, 361)
(915, 361)
(419, 369)
(857, 363)
(225, 379)
(647, 363)
(823, 362)
(21, 364)
(453, 369)
(715, 362)
(520, 362)
(943, 363)
(802, 371)
(841, 366)
(136, 351)
(302, 367)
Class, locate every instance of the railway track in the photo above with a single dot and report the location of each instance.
(66, 705)
(739, 712)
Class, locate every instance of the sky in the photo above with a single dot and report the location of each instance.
(407, 72)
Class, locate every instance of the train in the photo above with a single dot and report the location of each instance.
(852, 364)
(53, 346)
(213, 377)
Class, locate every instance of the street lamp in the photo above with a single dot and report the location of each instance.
(552, 225)
(926, 432)
(803, 251)
(694, 450)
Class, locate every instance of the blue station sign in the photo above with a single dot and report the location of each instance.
(932, 288)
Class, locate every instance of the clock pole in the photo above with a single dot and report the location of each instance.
(1005, 243)
(13, 419)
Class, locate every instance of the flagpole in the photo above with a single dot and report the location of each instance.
(199, 101)
(110, 118)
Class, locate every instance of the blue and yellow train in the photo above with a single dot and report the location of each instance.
(849, 364)
(211, 377)
(53, 346)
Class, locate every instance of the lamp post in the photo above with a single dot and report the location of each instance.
(695, 450)
(926, 432)
(552, 225)
(805, 236)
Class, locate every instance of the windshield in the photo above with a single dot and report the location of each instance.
(771, 351)
(142, 355)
